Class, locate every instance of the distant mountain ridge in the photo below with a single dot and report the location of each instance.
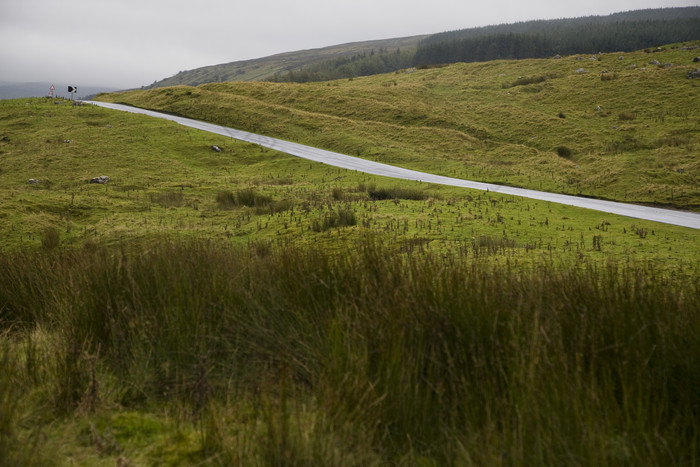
(624, 31)
(265, 68)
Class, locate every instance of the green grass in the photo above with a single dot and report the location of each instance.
(196, 353)
(248, 307)
(167, 182)
(495, 121)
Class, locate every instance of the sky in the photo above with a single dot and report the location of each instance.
(132, 43)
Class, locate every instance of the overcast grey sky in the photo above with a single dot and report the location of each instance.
(131, 43)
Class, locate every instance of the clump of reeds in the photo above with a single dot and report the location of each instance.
(250, 198)
(396, 192)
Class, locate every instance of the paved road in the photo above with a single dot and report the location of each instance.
(666, 216)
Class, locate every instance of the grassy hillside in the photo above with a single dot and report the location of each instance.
(614, 126)
(166, 181)
(624, 31)
(246, 307)
(264, 68)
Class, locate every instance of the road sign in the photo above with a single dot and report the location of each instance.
(52, 88)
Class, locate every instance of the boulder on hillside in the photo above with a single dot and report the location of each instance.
(654, 62)
(216, 148)
(694, 74)
(557, 57)
(33, 181)
(696, 60)
(102, 179)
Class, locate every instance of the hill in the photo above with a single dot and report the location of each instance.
(625, 31)
(245, 307)
(619, 32)
(266, 68)
(238, 306)
(615, 126)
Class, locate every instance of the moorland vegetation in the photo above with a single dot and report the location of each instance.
(618, 32)
(616, 126)
(244, 307)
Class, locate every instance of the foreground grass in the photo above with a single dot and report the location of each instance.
(617, 126)
(196, 352)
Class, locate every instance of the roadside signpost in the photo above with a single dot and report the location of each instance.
(72, 90)
(52, 88)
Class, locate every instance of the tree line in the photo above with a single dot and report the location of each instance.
(364, 64)
(623, 36)
(620, 32)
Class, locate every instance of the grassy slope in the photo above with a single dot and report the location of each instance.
(165, 180)
(464, 120)
(265, 68)
(276, 353)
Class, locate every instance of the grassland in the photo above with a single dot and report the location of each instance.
(245, 307)
(166, 181)
(191, 353)
(498, 122)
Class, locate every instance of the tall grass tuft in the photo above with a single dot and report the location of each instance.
(563, 151)
(396, 193)
(50, 238)
(342, 217)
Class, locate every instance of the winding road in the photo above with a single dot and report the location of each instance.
(666, 216)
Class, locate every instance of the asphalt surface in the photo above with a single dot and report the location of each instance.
(666, 216)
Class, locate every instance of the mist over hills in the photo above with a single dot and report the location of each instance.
(17, 90)
(618, 32)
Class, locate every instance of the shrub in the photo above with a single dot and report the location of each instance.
(563, 151)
